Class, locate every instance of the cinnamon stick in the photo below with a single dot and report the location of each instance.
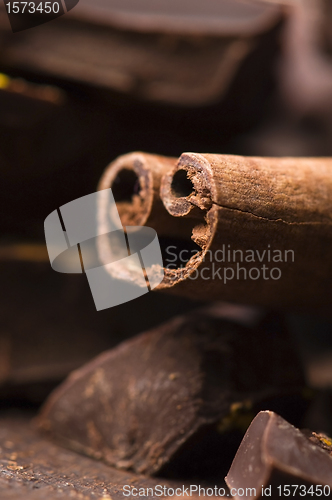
(260, 228)
(263, 228)
(135, 179)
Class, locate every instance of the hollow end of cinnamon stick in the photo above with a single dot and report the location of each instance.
(187, 192)
(131, 181)
(135, 180)
(206, 204)
(264, 206)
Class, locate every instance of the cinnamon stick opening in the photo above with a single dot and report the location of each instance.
(126, 186)
(135, 180)
(181, 185)
(132, 185)
(186, 194)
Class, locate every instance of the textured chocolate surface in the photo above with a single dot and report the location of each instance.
(169, 395)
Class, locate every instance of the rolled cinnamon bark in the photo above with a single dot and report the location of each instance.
(135, 179)
(263, 228)
(247, 230)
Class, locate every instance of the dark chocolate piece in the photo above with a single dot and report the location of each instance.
(276, 460)
(170, 395)
(163, 56)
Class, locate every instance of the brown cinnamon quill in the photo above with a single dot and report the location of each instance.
(261, 228)
(135, 179)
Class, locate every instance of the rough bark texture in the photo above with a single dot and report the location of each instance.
(167, 401)
(254, 205)
(260, 228)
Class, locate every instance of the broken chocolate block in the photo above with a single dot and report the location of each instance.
(168, 397)
(276, 460)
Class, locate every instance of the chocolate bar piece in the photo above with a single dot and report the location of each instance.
(177, 57)
(168, 397)
(276, 460)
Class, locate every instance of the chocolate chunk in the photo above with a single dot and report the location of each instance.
(168, 397)
(276, 460)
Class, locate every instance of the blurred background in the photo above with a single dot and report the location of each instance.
(109, 77)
